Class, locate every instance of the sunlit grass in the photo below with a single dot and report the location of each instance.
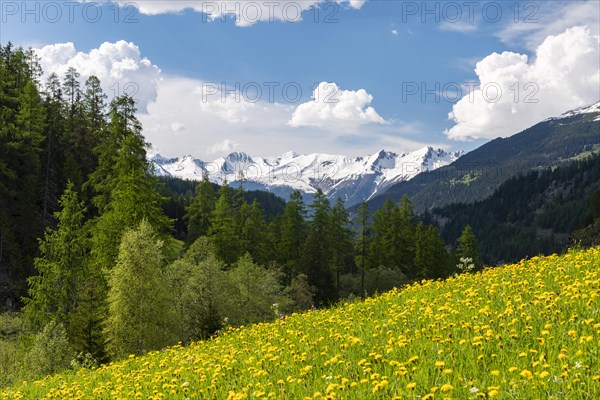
(524, 331)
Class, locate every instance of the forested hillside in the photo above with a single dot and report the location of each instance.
(477, 174)
(529, 214)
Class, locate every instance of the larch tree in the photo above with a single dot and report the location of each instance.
(140, 316)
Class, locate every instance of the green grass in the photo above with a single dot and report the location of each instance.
(524, 331)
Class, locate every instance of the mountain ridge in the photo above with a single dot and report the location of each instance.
(474, 176)
(352, 178)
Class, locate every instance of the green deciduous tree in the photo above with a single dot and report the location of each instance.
(139, 303)
(199, 284)
(253, 293)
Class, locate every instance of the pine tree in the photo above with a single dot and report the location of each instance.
(53, 292)
(198, 213)
(139, 317)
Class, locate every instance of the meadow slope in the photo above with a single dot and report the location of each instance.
(524, 331)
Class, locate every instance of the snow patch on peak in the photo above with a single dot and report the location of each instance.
(594, 108)
(353, 179)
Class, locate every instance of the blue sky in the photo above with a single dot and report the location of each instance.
(375, 54)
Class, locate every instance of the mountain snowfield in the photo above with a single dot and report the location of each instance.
(352, 179)
(594, 108)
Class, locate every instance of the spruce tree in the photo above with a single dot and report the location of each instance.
(53, 292)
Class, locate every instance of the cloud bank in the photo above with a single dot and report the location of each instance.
(515, 92)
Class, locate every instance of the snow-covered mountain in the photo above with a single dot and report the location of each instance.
(353, 179)
(592, 109)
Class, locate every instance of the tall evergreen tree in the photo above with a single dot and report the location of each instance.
(53, 292)
(381, 251)
(125, 186)
(52, 153)
(403, 250)
(316, 259)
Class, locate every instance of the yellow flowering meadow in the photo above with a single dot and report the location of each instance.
(524, 331)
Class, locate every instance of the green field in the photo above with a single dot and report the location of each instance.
(524, 331)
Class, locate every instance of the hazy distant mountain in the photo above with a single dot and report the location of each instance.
(353, 179)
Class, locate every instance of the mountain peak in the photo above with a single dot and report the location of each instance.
(238, 156)
(353, 179)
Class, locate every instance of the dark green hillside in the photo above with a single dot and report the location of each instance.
(527, 215)
(477, 174)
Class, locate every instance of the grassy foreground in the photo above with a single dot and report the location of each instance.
(524, 331)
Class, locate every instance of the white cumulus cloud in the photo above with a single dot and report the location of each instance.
(119, 66)
(335, 109)
(515, 92)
